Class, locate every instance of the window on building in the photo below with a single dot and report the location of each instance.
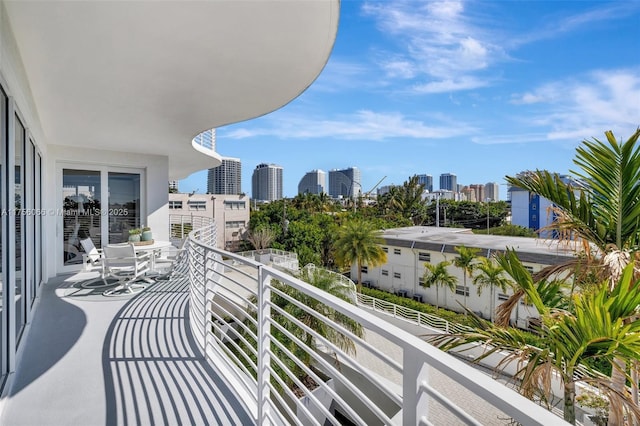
(364, 269)
(421, 281)
(529, 269)
(396, 251)
(502, 296)
(534, 217)
(425, 257)
(234, 224)
(175, 204)
(235, 205)
(397, 275)
(462, 290)
(385, 249)
(197, 205)
(385, 272)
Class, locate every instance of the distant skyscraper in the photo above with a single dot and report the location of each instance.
(449, 182)
(427, 181)
(266, 182)
(207, 139)
(173, 185)
(226, 178)
(344, 183)
(314, 182)
(491, 191)
(479, 191)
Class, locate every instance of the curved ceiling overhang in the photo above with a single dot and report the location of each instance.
(147, 76)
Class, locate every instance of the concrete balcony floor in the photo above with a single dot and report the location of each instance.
(88, 360)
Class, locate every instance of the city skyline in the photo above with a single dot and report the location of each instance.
(477, 89)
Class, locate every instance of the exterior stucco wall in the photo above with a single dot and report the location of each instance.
(154, 193)
(411, 270)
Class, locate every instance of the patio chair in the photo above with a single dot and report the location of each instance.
(171, 264)
(91, 256)
(122, 262)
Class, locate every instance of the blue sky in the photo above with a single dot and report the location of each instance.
(481, 89)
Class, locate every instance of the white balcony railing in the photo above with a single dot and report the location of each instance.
(267, 334)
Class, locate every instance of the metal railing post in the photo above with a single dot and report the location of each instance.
(264, 350)
(415, 400)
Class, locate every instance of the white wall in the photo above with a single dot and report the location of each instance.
(411, 270)
(154, 193)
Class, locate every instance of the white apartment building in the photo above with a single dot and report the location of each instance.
(409, 248)
(345, 183)
(192, 211)
(266, 182)
(313, 182)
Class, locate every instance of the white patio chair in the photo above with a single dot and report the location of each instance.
(169, 266)
(122, 262)
(91, 256)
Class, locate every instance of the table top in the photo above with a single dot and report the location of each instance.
(157, 244)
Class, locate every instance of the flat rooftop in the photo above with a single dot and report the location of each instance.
(537, 250)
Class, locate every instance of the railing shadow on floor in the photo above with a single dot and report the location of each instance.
(153, 372)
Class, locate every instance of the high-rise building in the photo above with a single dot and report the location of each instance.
(266, 182)
(449, 181)
(313, 182)
(491, 191)
(479, 191)
(225, 178)
(207, 139)
(427, 181)
(344, 183)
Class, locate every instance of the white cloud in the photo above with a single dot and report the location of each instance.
(585, 106)
(362, 125)
(439, 45)
(510, 139)
(448, 85)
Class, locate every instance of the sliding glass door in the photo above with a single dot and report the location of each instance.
(124, 205)
(81, 212)
(101, 203)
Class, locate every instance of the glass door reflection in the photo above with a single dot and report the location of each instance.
(82, 216)
(124, 205)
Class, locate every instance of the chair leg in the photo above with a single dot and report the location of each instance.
(126, 288)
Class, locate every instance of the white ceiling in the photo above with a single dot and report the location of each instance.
(147, 76)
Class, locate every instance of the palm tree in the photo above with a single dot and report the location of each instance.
(597, 329)
(603, 213)
(287, 300)
(359, 242)
(407, 200)
(437, 275)
(491, 275)
(466, 261)
(333, 284)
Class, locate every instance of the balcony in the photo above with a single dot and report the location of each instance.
(181, 352)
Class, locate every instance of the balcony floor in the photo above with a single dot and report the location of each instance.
(92, 360)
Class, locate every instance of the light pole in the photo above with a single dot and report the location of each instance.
(488, 199)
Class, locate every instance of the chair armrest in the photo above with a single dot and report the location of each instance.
(143, 255)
